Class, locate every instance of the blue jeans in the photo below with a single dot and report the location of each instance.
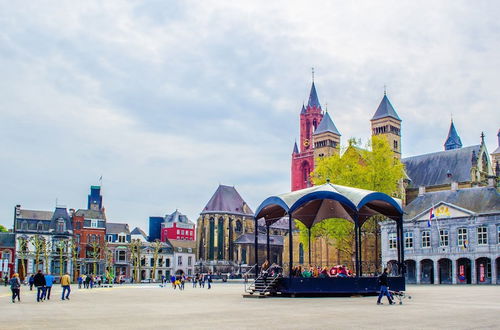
(384, 292)
(40, 294)
(66, 288)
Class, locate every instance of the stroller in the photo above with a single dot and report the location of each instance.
(400, 295)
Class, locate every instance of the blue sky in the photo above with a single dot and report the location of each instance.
(167, 99)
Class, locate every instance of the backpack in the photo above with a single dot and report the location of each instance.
(14, 283)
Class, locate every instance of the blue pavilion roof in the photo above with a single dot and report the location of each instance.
(313, 98)
(385, 109)
(453, 140)
(326, 125)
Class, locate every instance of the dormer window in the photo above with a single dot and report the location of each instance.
(122, 238)
(24, 225)
(39, 226)
(60, 226)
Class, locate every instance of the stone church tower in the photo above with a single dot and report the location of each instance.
(318, 138)
(386, 122)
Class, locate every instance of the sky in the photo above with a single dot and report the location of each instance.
(168, 99)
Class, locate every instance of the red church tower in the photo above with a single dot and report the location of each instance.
(303, 159)
(317, 131)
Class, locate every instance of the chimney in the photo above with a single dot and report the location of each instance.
(454, 186)
(421, 190)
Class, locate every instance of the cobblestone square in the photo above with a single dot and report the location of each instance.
(223, 307)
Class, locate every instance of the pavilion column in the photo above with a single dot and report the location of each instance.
(256, 248)
(400, 246)
(309, 242)
(356, 245)
(290, 245)
(268, 245)
(360, 249)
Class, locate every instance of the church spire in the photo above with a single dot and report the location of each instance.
(453, 140)
(295, 148)
(313, 96)
(326, 125)
(385, 109)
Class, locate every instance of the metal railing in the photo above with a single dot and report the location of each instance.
(246, 276)
(249, 289)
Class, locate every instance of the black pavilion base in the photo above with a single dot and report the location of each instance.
(336, 286)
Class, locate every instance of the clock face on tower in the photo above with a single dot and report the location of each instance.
(306, 143)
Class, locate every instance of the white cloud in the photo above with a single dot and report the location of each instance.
(168, 99)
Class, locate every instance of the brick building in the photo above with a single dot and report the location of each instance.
(7, 254)
(90, 230)
(177, 226)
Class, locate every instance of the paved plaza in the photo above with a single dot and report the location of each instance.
(222, 307)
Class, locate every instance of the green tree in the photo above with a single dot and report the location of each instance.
(3, 229)
(95, 254)
(157, 245)
(38, 244)
(23, 253)
(374, 168)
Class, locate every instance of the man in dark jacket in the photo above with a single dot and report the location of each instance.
(39, 281)
(382, 280)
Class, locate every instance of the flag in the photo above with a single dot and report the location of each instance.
(431, 216)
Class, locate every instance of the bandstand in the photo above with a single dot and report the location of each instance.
(311, 206)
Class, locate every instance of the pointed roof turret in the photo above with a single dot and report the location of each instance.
(326, 125)
(303, 109)
(453, 140)
(295, 148)
(313, 98)
(385, 109)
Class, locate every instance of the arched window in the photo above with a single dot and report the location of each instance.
(301, 253)
(244, 256)
(308, 129)
(39, 226)
(220, 239)
(211, 233)
(239, 227)
(305, 172)
(315, 124)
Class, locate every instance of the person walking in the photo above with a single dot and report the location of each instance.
(31, 281)
(49, 281)
(80, 281)
(209, 280)
(6, 280)
(195, 279)
(66, 286)
(382, 280)
(15, 287)
(39, 282)
(87, 281)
